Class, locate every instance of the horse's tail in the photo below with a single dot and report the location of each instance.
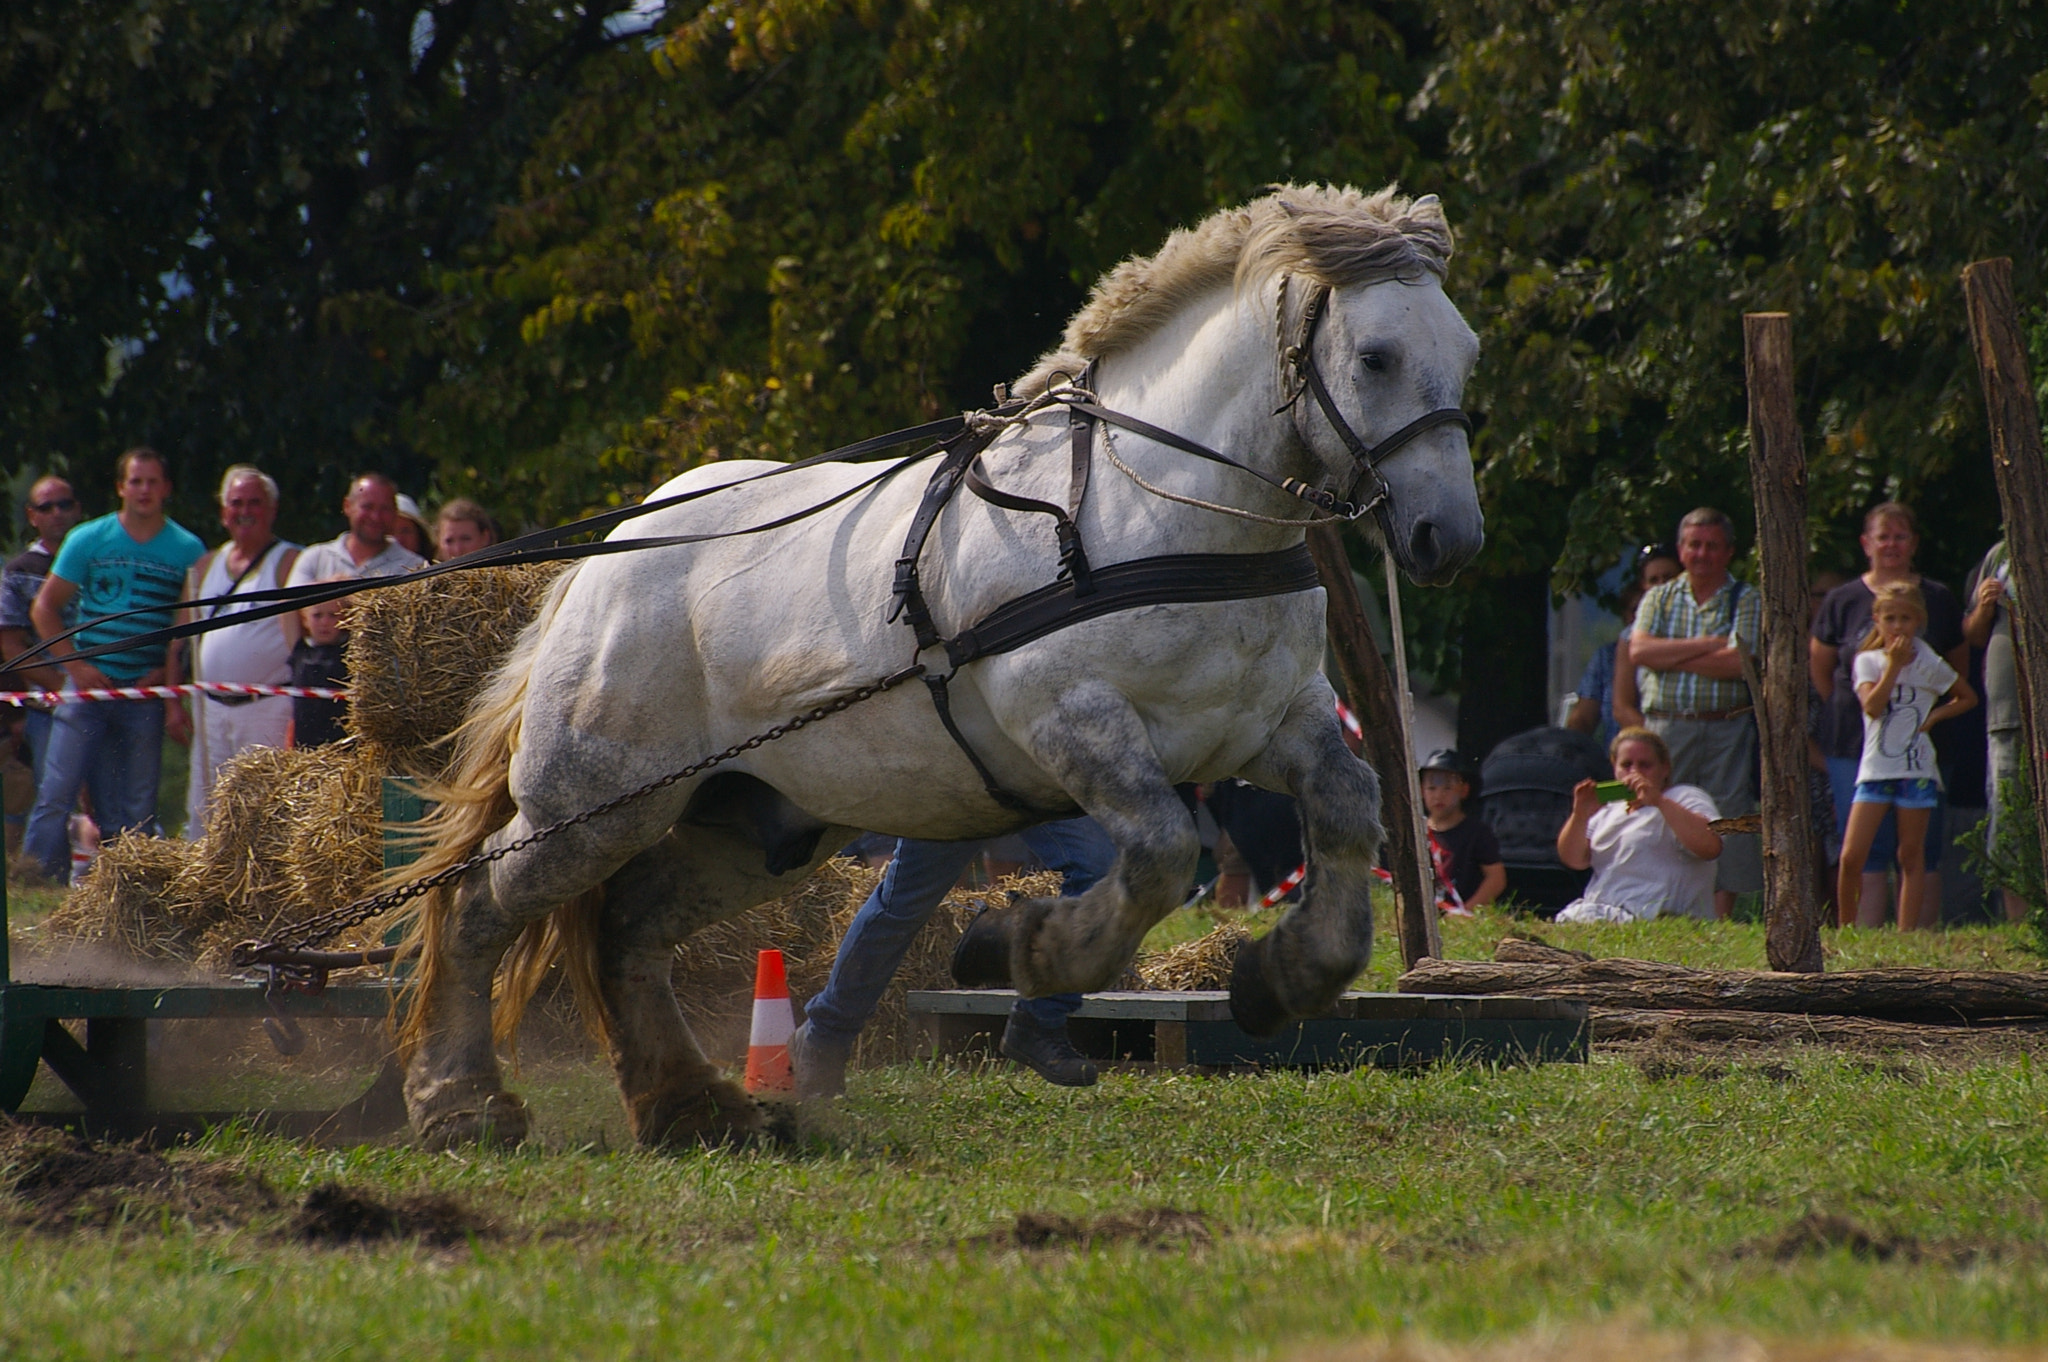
(470, 801)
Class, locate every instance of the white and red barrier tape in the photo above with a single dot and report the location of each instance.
(72, 697)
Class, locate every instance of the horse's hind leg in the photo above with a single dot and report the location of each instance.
(692, 877)
(454, 1093)
(1299, 968)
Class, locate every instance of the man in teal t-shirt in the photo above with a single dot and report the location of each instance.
(134, 559)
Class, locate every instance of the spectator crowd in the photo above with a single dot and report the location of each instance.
(89, 769)
(1891, 657)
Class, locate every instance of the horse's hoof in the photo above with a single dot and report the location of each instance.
(1253, 1004)
(982, 959)
(707, 1117)
(499, 1120)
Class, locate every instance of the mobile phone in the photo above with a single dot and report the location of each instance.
(1611, 790)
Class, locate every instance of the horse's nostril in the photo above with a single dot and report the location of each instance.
(1422, 546)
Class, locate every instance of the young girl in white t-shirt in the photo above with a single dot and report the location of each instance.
(1905, 689)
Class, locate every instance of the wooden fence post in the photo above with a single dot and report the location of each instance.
(2022, 476)
(1777, 478)
(1386, 743)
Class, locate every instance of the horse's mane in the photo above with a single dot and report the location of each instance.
(1335, 236)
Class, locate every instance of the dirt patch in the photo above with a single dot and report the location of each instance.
(56, 1182)
(1160, 1227)
(1821, 1232)
(334, 1215)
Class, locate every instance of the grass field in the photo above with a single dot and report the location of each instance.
(1785, 1195)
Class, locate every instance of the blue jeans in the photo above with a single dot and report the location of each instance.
(113, 747)
(1885, 848)
(36, 728)
(911, 888)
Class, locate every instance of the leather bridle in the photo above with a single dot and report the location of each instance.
(1301, 359)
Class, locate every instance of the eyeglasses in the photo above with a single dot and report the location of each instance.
(65, 504)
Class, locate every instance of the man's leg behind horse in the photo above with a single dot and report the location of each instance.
(1322, 943)
(917, 878)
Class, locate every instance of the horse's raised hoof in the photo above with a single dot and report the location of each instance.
(1254, 1005)
(982, 959)
(702, 1118)
(499, 1120)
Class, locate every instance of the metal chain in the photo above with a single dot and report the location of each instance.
(315, 930)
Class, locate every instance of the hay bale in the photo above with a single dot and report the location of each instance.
(124, 902)
(417, 653)
(291, 834)
(1203, 963)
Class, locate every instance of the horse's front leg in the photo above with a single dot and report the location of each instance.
(1095, 744)
(1321, 944)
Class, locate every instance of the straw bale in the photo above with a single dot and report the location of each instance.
(1203, 963)
(290, 834)
(124, 901)
(417, 653)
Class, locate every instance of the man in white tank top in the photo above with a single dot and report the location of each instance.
(257, 653)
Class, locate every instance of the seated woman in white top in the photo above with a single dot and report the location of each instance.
(1652, 853)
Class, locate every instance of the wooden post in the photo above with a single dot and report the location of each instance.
(1386, 743)
(2022, 476)
(1777, 478)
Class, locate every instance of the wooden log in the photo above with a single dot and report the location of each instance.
(1898, 994)
(1386, 742)
(1777, 479)
(1612, 1025)
(2017, 463)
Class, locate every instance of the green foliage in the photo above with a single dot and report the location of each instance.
(187, 188)
(1636, 175)
(2015, 863)
(793, 225)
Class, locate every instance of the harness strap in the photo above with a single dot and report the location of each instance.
(1323, 500)
(907, 590)
(1171, 579)
(1073, 558)
(942, 702)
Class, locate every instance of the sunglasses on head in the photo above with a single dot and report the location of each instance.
(62, 504)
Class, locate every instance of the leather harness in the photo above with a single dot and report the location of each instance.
(1081, 591)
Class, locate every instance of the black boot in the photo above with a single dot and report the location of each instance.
(1047, 1050)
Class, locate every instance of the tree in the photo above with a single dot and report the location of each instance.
(189, 186)
(804, 223)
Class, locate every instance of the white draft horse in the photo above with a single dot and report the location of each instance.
(641, 663)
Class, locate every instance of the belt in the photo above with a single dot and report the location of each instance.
(1702, 714)
(233, 699)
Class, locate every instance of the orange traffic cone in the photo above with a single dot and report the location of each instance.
(768, 1071)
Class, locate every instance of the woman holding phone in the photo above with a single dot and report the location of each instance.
(1648, 842)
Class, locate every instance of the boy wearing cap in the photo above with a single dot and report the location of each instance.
(1463, 851)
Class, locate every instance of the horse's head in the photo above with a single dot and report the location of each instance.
(1392, 359)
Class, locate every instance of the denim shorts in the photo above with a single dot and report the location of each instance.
(1918, 793)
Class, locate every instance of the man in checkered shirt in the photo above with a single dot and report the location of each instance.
(1693, 696)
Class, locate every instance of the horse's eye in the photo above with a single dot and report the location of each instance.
(1374, 361)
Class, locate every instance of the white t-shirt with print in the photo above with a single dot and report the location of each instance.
(1894, 748)
(1639, 864)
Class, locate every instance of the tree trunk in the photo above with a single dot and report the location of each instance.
(1386, 743)
(1860, 1033)
(1777, 477)
(1898, 994)
(2023, 495)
